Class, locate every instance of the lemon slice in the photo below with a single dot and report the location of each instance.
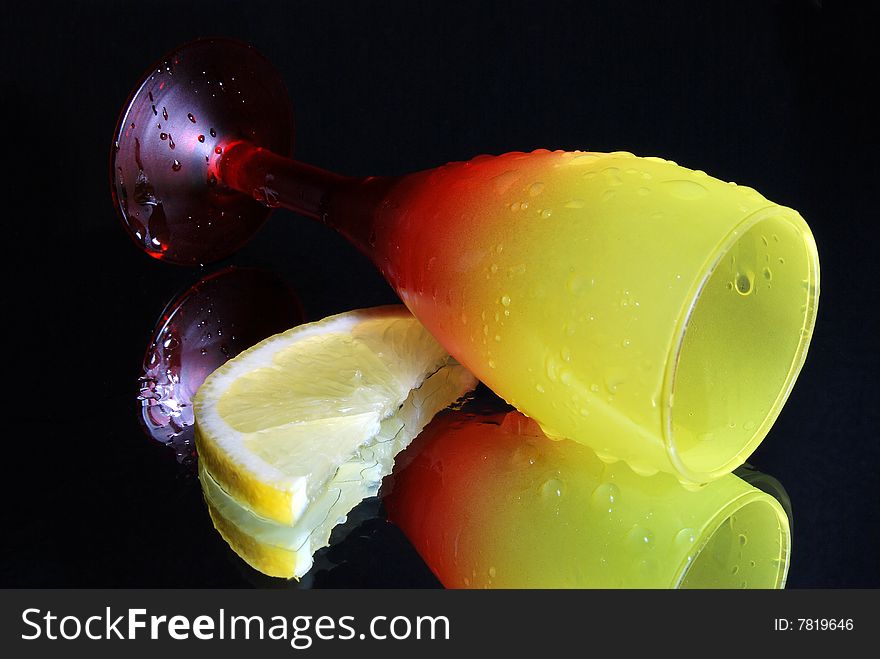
(294, 432)
(282, 550)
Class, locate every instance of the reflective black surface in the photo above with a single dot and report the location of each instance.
(769, 94)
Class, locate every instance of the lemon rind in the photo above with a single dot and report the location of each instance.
(261, 487)
(283, 550)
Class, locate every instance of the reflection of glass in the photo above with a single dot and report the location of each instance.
(650, 311)
(489, 501)
(770, 485)
(211, 322)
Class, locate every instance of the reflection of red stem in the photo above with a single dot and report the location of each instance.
(346, 203)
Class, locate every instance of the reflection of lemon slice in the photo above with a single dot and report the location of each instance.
(294, 432)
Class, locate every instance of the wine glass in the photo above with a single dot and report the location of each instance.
(651, 311)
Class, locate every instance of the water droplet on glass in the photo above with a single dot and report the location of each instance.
(684, 189)
(612, 176)
(743, 283)
(190, 116)
(525, 455)
(201, 138)
(605, 496)
(552, 488)
(640, 537)
(685, 538)
(176, 165)
(613, 382)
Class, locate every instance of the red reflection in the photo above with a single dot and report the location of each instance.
(211, 322)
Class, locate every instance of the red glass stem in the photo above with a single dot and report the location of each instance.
(347, 204)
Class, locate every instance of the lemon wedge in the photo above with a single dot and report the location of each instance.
(297, 430)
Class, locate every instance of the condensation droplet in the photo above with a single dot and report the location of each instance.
(685, 538)
(612, 176)
(684, 189)
(552, 488)
(743, 283)
(605, 496)
(640, 537)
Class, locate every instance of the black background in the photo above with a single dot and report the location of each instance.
(769, 94)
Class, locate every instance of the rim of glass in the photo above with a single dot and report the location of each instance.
(682, 470)
(708, 531)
